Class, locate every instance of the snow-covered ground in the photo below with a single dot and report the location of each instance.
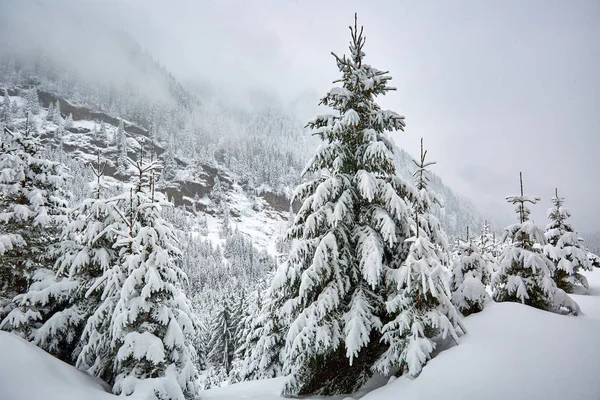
(511, 352)
(29, 373)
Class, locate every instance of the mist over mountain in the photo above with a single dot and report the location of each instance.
(91, 63)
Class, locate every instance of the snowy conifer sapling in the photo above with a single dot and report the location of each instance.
(524, 273)
(261, 352)
(222, 339)
(420, 298)
(565, 248)
(153, 326)
(471, 273)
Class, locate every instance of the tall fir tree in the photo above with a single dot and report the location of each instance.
(420, 298)
(565, 248)
(524, 273)
(350, 230)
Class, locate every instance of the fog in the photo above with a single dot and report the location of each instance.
(494, 88)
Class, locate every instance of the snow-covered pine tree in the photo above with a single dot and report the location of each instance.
(246, 328)
(524, 273)
(5, 100)
(419, 302)
(14, 109)
(350, 230)
(5, 110)
(239, 313)
(226, 230)
(565, 248)
(222, 338)
(32, 211)
(98, 349)
(102, 133)
(283, 245)
(32, 102)
(69, 121)
(216, 194)
(424, 208)
(490, 246)
(262, 352)
(471, 273)
(121, 143)
(50, 114)
(487, 240)
(169, 167)
(153, 326)
(57, 117)
(55, 309)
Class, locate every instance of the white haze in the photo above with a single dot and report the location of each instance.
(494, 87)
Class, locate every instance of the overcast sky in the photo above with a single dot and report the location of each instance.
(494, 87)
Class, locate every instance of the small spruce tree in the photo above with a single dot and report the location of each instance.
(524, 273)
(420, 298)
(57, 116)
(471, 273)
(565, 248)
(69, 121)
(32, 102)
(50, 114)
